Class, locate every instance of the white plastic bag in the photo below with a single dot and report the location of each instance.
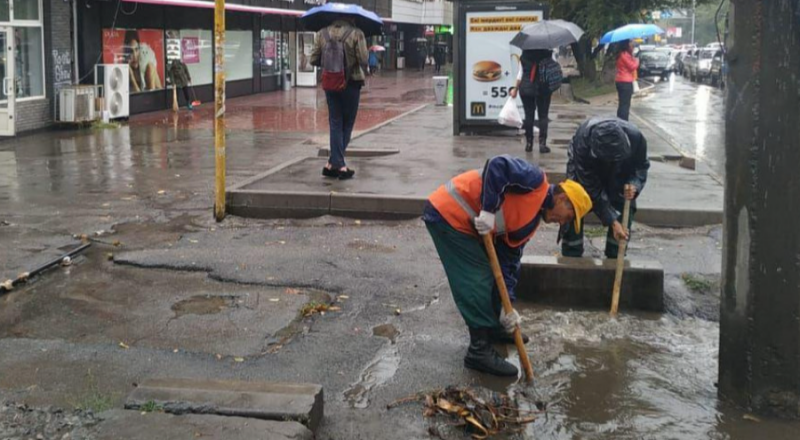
(636, 88)
(509, 115)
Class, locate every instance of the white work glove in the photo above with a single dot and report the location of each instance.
(484, 222)
(510, 321)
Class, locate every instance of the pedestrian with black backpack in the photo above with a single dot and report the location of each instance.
(341, 51)
(539, 76)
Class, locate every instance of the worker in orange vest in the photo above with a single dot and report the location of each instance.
(509, 199)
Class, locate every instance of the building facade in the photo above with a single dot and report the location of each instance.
(56, 43)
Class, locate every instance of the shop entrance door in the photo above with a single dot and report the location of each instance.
(8, 88)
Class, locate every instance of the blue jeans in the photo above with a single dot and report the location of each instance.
(342, 111)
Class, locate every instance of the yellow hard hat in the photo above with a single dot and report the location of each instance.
(580, 200)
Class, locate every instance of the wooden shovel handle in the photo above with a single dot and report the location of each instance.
(623, 246)
(501, 286)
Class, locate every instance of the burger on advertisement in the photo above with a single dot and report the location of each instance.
(487, 71)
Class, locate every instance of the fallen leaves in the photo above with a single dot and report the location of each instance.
(238, 359)
(7, 285)
(483, 413)
(291, 291)
(124, 345)
(312, 308)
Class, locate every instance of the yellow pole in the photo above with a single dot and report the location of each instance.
(219, 108)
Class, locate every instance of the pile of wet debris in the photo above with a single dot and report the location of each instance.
(477, 412)
(20, 421)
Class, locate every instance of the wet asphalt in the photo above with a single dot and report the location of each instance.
(691, 115)
(165, 291)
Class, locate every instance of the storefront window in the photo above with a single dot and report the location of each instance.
(270, 42)
(26, 9)
(5, 11)
(238, 55)
(194, 48)
(29, 70)
(306, 43)
(142, 50)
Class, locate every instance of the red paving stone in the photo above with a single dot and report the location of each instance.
(304, 109)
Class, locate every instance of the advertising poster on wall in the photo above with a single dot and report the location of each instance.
(142, 50)
(190, 48)
(491, 62)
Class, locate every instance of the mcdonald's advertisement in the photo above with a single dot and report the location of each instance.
(492, 63)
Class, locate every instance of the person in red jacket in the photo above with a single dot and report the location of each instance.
(627, 67)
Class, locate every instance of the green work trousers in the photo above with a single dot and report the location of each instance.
(469, 274)
(572, 241)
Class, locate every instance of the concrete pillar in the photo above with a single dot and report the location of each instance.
(759, 355)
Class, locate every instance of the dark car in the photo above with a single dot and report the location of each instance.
(655, 63)
(719, 68)
(701, 64)
(679, 57)
(690, 63)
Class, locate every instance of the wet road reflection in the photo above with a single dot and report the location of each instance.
(639, 376)
(692, 115)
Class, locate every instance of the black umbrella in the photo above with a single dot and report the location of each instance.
(547, 34)
(322, 16)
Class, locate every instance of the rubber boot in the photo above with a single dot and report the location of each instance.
(482, 357)
(529, 145)
(543, 148)
(500, 336)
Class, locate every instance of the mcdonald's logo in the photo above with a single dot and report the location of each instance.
(478, 108)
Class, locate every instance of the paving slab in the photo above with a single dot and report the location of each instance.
(396, 185)
(588, 283)
(133, 425)
(280, 401)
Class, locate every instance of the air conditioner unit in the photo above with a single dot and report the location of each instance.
(76, 104)
(116, 89)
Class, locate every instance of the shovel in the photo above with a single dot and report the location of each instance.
(501, 286)
(623, 246)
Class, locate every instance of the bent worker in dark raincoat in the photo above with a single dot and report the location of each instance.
(608, 156)
(508, 199)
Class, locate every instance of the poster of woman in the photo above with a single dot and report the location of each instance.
(142, 50)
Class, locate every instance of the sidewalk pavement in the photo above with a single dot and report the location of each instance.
(416, 153)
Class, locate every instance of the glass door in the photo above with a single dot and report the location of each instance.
(7, 87)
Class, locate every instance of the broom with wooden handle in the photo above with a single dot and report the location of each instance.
(623, 246)
(501, 286)
(174, 99)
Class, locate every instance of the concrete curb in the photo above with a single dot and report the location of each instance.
(387, 122)
(276, 401)
(587, 283)
(361, 152)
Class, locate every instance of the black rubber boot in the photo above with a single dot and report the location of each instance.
(543, 148)
(482, 357)
(529, 145)
(499, 335)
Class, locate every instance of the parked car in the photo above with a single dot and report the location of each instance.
(679, 57)
(655, 63)
(702, 68)
(719, 69)
(689, 63)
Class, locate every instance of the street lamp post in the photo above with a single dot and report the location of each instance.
(219, 109)
(694, 15)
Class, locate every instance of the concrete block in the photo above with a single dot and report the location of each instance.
(301, 403)
(133, 425)
(272, 204)
(587, 283)
(376, 206)
(687, 162)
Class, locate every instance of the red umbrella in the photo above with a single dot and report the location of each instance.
(377, 48)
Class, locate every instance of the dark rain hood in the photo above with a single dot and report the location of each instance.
(604, 155)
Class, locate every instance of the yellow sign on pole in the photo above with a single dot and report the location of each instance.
(219, 109)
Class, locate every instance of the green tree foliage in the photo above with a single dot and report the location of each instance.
(597, 17)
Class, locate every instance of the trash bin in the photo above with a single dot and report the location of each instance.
(287, 80)
(440, 89)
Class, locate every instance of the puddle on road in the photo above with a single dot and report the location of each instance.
(202, 305)
(378, 371)
(639, 376)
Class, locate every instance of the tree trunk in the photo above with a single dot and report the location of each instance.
(583, 56)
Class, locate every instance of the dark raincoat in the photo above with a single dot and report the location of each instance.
(604, 155)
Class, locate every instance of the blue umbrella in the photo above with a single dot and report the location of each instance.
(320, 17)
(630, 32)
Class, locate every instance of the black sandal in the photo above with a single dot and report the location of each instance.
(330, 172)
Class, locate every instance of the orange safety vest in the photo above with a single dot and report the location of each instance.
(459, 202)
